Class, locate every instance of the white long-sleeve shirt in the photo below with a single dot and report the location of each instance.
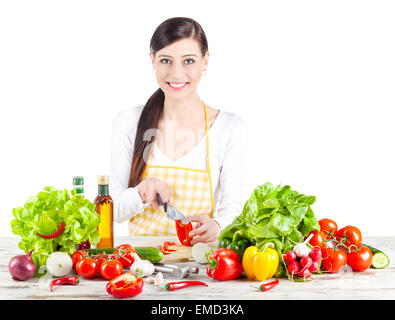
(228, 144)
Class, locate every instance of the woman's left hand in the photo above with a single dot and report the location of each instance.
(207, 229)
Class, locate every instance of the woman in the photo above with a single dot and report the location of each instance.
(176, 146)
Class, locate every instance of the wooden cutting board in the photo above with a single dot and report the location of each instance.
(182, 253)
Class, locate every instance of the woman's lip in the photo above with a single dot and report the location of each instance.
(177, 88)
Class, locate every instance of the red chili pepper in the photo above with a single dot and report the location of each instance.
(183, 232)
(224, 264)
(183, 284)
(125, 285)
(53, 235)
(267, 286)
(62, 281)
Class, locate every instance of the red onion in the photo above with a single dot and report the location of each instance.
(84, 245)
(22, 267)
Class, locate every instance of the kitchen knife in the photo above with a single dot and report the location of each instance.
(172, 212)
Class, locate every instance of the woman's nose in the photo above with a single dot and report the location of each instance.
(177, 71)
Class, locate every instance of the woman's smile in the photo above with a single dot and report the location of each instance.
(177, 85)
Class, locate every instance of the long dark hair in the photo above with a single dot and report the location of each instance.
(166, 33)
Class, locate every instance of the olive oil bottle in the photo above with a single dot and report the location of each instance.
(104, 208)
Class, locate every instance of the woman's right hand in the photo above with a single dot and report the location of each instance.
(149, 187)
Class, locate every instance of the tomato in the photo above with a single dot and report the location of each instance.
(333, 260)
(110, 269)
(87, 268)
(318, 240)
(351, 234)
(328, 226)
(360, 260)
(125, 251)
(77, 256)
(100, 258)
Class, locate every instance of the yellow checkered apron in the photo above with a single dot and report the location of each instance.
(190, 191)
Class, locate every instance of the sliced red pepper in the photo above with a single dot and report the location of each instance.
(183, 231)
(125, 285)
(61, 281)
(161, 248)
(55, 234)
(166, 245)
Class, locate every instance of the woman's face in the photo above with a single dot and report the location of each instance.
(179, 67)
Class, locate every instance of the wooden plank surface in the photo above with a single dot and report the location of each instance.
(370, 284)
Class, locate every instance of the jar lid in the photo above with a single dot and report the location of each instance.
(103, 180)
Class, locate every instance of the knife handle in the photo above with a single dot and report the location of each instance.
(160, 202)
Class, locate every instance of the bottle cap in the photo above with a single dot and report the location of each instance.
(78, 181)
(103, 180)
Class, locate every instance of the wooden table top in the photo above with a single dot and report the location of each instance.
(348, 285)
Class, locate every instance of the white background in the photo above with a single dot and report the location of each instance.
(313, 79)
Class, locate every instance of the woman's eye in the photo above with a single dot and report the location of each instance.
(167, 61)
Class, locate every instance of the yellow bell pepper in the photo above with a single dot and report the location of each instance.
(260, 264)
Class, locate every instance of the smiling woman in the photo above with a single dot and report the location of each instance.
(164, 148)
(180, 70)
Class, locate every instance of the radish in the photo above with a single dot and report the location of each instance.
(316, 254)
(305, 273)
(306, 262)
(290, 256)
(314, 266)
(301, 249)
(293, 267)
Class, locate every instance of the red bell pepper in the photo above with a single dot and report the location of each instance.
(125, 285)
(224, 264)
(183, 232)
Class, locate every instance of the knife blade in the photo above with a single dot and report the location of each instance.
(171, 211)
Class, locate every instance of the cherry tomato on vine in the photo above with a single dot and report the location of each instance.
(125, 251)
(360, 260)
(110, 269)
(318, 240)
(351, 235)
(333, 260)
(77, 256)
(328, 226)
(100, 258)
(87, 268)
